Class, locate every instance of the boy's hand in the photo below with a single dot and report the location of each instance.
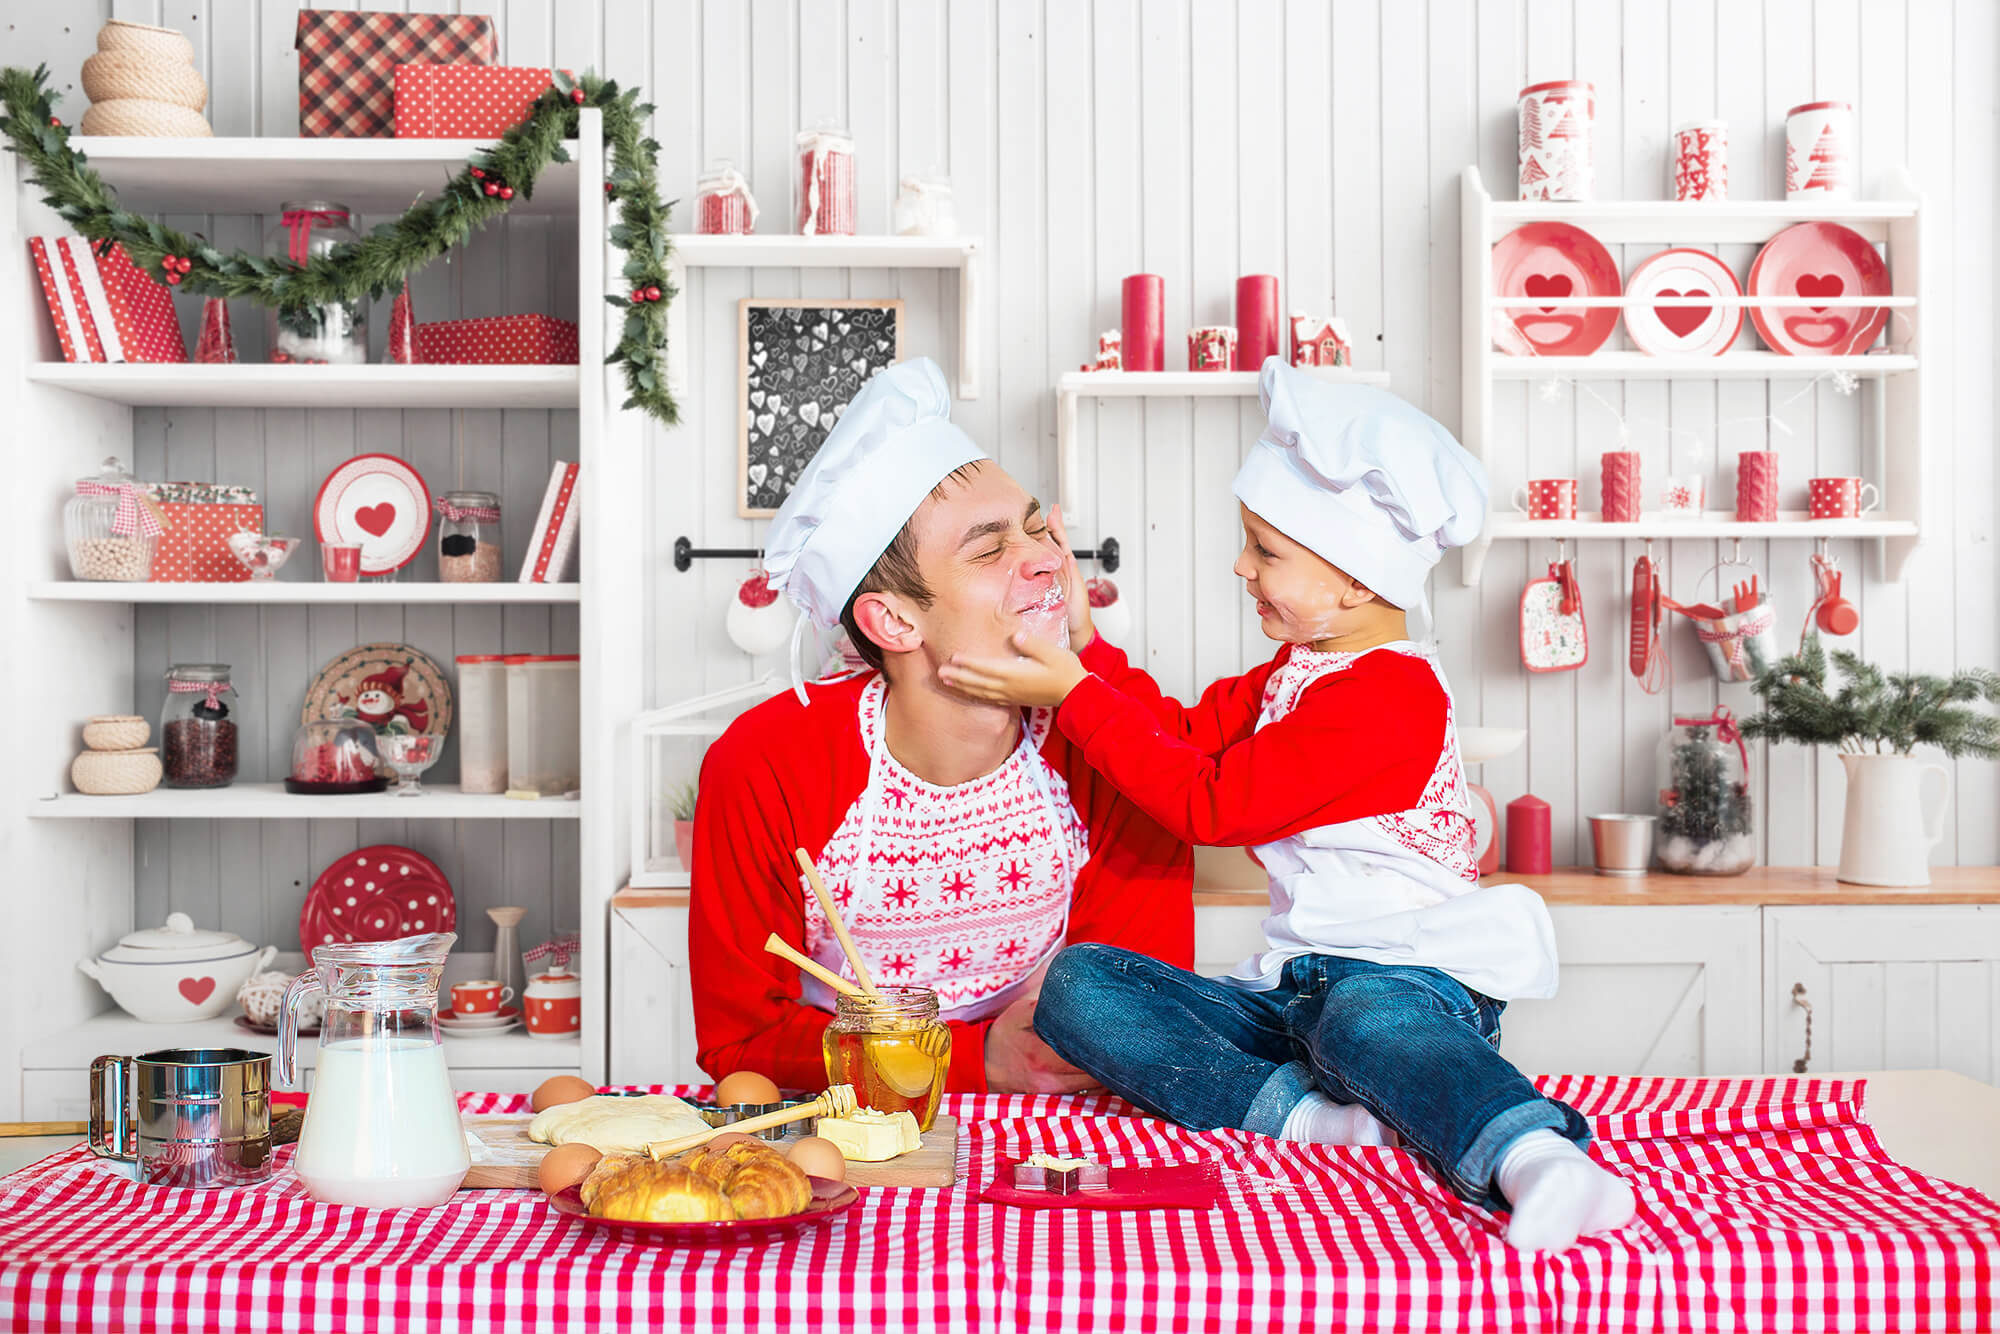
(1041, 677)
(1076, 592)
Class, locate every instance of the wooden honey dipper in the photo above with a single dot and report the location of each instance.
(838, 1100)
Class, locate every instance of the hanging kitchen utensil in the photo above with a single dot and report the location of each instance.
(1649, 647)
(1552, 631)
(1740, 642)
(1830, 611)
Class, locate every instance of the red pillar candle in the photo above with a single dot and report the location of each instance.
(1145, 336)
(1528, 836)
(1256, 320)
(1757, 486)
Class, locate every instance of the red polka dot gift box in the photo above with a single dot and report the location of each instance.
(464, 101)
(514, 340)
(200, 516)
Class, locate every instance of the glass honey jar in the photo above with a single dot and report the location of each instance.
(892, 1049)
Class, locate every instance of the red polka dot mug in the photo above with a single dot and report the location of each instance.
(1547, 498)
(1842, 497)
(486, 997)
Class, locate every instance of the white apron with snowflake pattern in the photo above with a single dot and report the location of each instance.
(965, 889)
(1402, 888)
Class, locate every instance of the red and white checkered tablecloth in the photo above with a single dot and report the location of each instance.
(1763, 1205)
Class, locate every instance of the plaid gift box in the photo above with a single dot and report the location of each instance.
(348, 60)
(519, 340)
(464, 101)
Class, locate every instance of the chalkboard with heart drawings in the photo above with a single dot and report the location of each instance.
(803, 361)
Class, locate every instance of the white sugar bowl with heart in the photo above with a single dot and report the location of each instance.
(175, 974)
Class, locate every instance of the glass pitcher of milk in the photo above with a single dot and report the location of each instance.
(382, 1128)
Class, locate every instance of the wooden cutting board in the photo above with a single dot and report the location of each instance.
(512, 1159)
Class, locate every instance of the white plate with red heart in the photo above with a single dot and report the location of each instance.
(379, 503)
(1678, 330)
(1820, 262)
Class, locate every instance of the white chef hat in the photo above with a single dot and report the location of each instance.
(891, 447)
(1363, 478)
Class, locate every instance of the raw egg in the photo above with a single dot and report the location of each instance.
(818, 1157)
(564, 1166)
(746, 1086)
(561, 1089)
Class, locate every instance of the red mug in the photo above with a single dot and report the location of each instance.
(479, 997)
(1547, 498)
(1842, 497)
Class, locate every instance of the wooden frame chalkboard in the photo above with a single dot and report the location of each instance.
(799, 363)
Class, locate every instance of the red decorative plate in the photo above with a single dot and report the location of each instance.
(830, 1200)
(380, 502)
(1683, 330)
(1827, 262)
(384, 892)
(1552, 260)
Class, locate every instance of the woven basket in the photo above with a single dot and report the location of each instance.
(162, 44)
(115, 773)
(119, 731)
(138, 116)
(110, 76)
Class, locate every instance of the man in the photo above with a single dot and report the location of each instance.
(964, 842)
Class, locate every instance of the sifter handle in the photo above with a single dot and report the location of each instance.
(110, 1091)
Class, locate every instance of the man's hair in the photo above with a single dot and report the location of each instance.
(895, 571)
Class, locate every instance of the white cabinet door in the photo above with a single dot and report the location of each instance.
(652, 1002)
(1645, 991)
(1226, 935)
(1890, 988)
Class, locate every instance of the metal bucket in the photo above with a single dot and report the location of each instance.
(1622, 844)
(197, 1117)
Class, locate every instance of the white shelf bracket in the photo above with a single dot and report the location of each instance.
(969, 282)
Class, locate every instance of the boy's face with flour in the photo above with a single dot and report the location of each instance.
(1302, 598)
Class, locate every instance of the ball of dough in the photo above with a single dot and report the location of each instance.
(559, 1090)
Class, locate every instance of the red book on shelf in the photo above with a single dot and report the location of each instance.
(552, 550)
(65, 302)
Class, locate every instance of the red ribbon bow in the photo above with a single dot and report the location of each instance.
(213, 689)
(1724, 723)
(299, 222)
(460, 513)
(131, 516)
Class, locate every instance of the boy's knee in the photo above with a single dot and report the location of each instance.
(1371, 1006)
(1077, 969)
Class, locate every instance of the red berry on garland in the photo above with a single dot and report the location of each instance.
(638, 295)
(55, 122)
(184, 264)
(173, 278)
(576, 96)
(492, 189)
(506, 192)
(478, 175)
(652, 293)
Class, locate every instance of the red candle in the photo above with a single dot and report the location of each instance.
(1256, 320)
(1528, 836)
(1145, 339)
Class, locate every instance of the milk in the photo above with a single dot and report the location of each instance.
(382, 1128)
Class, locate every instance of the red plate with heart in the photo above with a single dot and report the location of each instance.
(384, 892)
(1678, 330)
(378, 502)
(1822, 262)
(1552, 260)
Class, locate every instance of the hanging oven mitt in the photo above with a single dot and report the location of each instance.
(1552, 634)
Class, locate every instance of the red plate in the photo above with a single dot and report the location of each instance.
(379, 502)
(1683, 330)
(384, 892)
(1553, 260)
(1827, 262)
(830, 1200)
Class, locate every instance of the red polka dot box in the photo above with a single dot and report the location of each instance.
(514, 340)
(200, 517)
(383, 892)
(464, 101)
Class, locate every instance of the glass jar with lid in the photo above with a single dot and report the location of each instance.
(334, 756)
(723, 206)
(924, 207)
(111, 527)
(826, 181)
(198, 726)
(331, 333)
(892, 1048)
(468, 537)
(1707, 821)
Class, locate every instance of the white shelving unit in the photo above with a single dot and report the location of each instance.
(963, 253)
(1073, 386)
(71, 860)
(1892, 374)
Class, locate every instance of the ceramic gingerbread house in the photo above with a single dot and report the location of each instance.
(1320, 341)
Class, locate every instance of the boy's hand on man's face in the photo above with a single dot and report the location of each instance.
(1076, 591)
(1041, 677)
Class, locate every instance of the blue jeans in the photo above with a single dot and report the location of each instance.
(1415, 1047)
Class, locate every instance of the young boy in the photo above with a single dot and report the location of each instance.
(1387, 967)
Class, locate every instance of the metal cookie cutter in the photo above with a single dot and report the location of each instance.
(1061, 1176)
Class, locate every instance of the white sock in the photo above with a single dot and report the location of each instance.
(1318, 1119)
(1558, 1193)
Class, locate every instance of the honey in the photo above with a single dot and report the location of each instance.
(892, 1049)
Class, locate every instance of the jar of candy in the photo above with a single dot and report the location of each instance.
(110, 527)
(924, 208)
(891, 1048)
(723, 206)
(198, 726)
(826, 182)
(336, 332)
(1707, 823)
(468, 537)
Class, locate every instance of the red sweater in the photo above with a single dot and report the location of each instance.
(783, 777)
(1359, 743)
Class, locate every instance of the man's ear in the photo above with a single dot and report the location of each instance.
(881, 618)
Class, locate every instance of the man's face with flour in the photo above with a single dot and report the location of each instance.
(975, 565)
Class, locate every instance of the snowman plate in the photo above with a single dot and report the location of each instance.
(394, 688)
(378, 502)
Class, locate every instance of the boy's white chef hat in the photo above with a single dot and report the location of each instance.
(1363, 478)
(891, 446)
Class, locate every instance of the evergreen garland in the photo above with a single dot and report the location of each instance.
(379, 262)
(1873, 712)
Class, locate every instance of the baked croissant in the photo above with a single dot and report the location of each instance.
(746, 1180)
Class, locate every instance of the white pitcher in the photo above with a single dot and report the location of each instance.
(1884, 838)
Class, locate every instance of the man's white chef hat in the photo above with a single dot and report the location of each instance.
(891, 447)
(1362, 478)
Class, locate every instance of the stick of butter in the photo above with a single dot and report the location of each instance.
(868, 1136)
